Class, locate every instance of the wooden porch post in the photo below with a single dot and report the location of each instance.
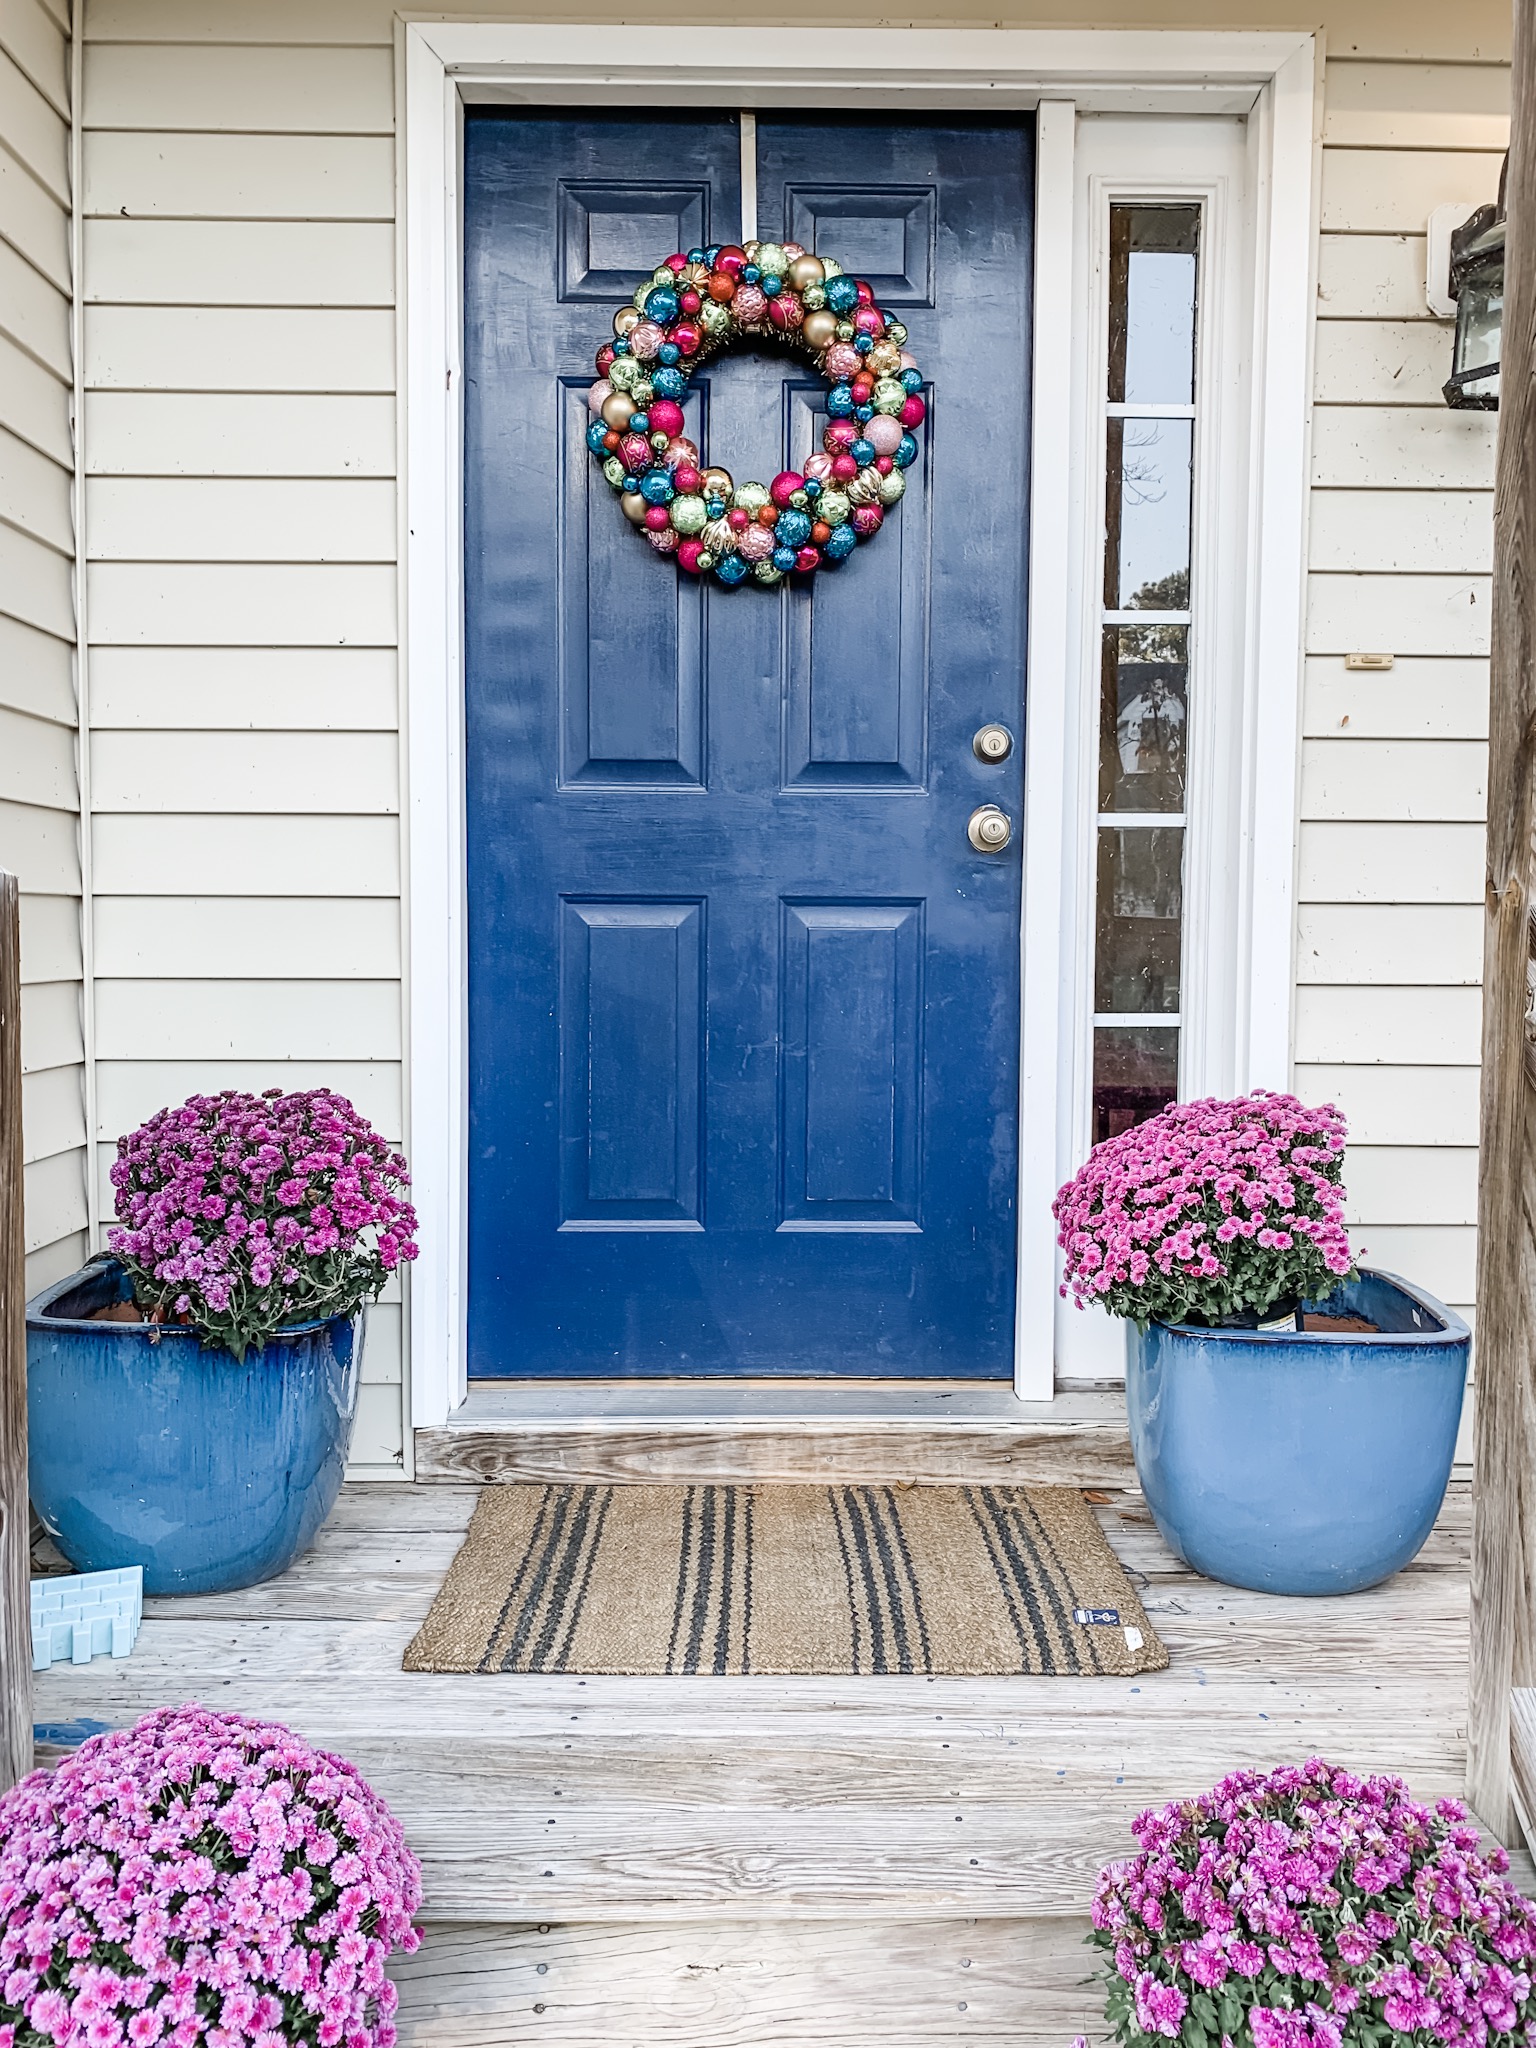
(1504, 1529)
(15, 1617)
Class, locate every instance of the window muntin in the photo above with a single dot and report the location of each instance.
(1144, 698)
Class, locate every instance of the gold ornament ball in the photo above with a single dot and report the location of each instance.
(635, 507)
(815, 298)
(829, 268)
(618, 410)
(894, 331)
(625, 318)
(884, 359)
(806, 271)
(845, 330)
(820, 330)
(716, 483)
(865, 488)
(719, 536)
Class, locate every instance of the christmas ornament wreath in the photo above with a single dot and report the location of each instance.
(696, 306)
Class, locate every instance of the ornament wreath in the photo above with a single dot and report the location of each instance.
(696, 306)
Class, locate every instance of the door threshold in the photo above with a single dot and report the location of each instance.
(727, 1432)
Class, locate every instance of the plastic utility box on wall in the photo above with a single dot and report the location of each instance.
(86, 1615)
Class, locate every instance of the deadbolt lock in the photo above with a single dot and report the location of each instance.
(990, 829)
(993, 743)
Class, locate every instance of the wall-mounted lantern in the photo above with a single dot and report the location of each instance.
(1476, 284)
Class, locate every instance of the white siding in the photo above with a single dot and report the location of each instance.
(240, 523)
(39, 802)
(1389, 952)
(240, 442)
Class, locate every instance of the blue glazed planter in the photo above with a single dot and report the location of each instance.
(145, 1448)
(1300, 1463)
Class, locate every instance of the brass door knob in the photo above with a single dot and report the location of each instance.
(990, 829)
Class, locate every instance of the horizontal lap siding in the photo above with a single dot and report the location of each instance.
(239, 362)
(39, 792)
(1389, 937)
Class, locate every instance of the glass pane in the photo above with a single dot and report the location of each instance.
(1146, 515)
(1142, 706)
(1152, 283)
(1141, 896)
(1135, 1074)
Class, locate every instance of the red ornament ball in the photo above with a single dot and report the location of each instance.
(606, 358)
(635, 453)
(677, 262)
(844, 468)
(732, 260)
(784, 487)
(866, 295)
(612, 441)
(721, 287)
(869, 320)
(866, 520)
(885, 464)
(840, 434)
(863, 388)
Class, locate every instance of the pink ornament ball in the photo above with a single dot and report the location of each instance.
(866, 295)
(656, 517)
(882, 432)
(750, 305)
(599, 395)
(784, 487)
(843, 360)
(688, 553)
(869, 320)
(756, 544)
(914, 412)
(818, 468)
(681, 450)
(839, 434)
(686, 336)
(866, 520)
(686, 479)
(666, 417)
(908, 360)
(677, 263)
(664, 540)
(885, 464)
(738, 519)
(645, 339)
(808, 558)
(792, 250)
(635, 453)
(786, 312)
(844, 468)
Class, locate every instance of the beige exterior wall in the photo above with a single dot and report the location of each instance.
(39, 802)
(240, 443)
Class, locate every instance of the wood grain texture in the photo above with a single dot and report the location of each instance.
(1090, 1454)
(15, 1600)
(1504, 1536)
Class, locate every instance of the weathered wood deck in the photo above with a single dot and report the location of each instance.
(826, 1861)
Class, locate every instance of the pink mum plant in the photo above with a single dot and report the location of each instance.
(1209, 1209)
(200, 1881)
(242, 1213)
(1308, 1908)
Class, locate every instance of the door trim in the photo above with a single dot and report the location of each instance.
(1275, 77)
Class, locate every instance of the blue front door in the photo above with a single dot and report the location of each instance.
(743, 1000)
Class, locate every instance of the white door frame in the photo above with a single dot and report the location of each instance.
(1274, 78)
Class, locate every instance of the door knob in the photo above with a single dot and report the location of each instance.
(990, 829)
(992, 743)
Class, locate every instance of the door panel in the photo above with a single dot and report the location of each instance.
(743, 1002)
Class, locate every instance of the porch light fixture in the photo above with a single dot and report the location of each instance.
(1477, 286)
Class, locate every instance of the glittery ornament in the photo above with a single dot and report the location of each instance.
(656, 517)
(883, 434)
(815, 300)
(892, 488)
(756, 544)
(752, 498)
(844, 468)
(834, 507)
(689, 553)
(668, 383)
(751, 305)
(687, 513)
(842, 360)
(842, 294)
(666, 417)
(884, 359)
(793, 528)
(599, 394)
(785, 485)
(841, 543)
(771, 259)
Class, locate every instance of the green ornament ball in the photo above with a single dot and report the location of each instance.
(624, 373)
(845, 330)
(814, 298)
(890, 395)
(892, 487)
(643, 392)
(751, 497)
(638, 301)
(713, 318)
(766, 574)
(706, 561)
(771, 260)
(663, 274)
(799, 499)
(613, 469)
(894, 331)
(687, 514)
(659, 442)
(833, 506)
(829, 268)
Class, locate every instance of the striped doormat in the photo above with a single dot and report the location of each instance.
(645, 1581)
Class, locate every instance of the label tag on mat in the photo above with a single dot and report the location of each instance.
(1106, 1617)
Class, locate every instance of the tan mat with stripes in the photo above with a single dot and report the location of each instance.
(644, 1581)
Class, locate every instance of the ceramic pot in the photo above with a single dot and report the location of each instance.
(1300, 1462)
(146, 1447)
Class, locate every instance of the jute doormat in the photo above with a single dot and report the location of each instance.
(646, 1581)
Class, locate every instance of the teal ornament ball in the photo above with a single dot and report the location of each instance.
(840, 543)
(732, 570)
(667, 383)
(661, 305)
(783, 559)
(656, 487)
(906, 451)
(842, 294)
(792, 530)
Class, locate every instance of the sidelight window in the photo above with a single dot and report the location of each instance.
(1150, 402)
